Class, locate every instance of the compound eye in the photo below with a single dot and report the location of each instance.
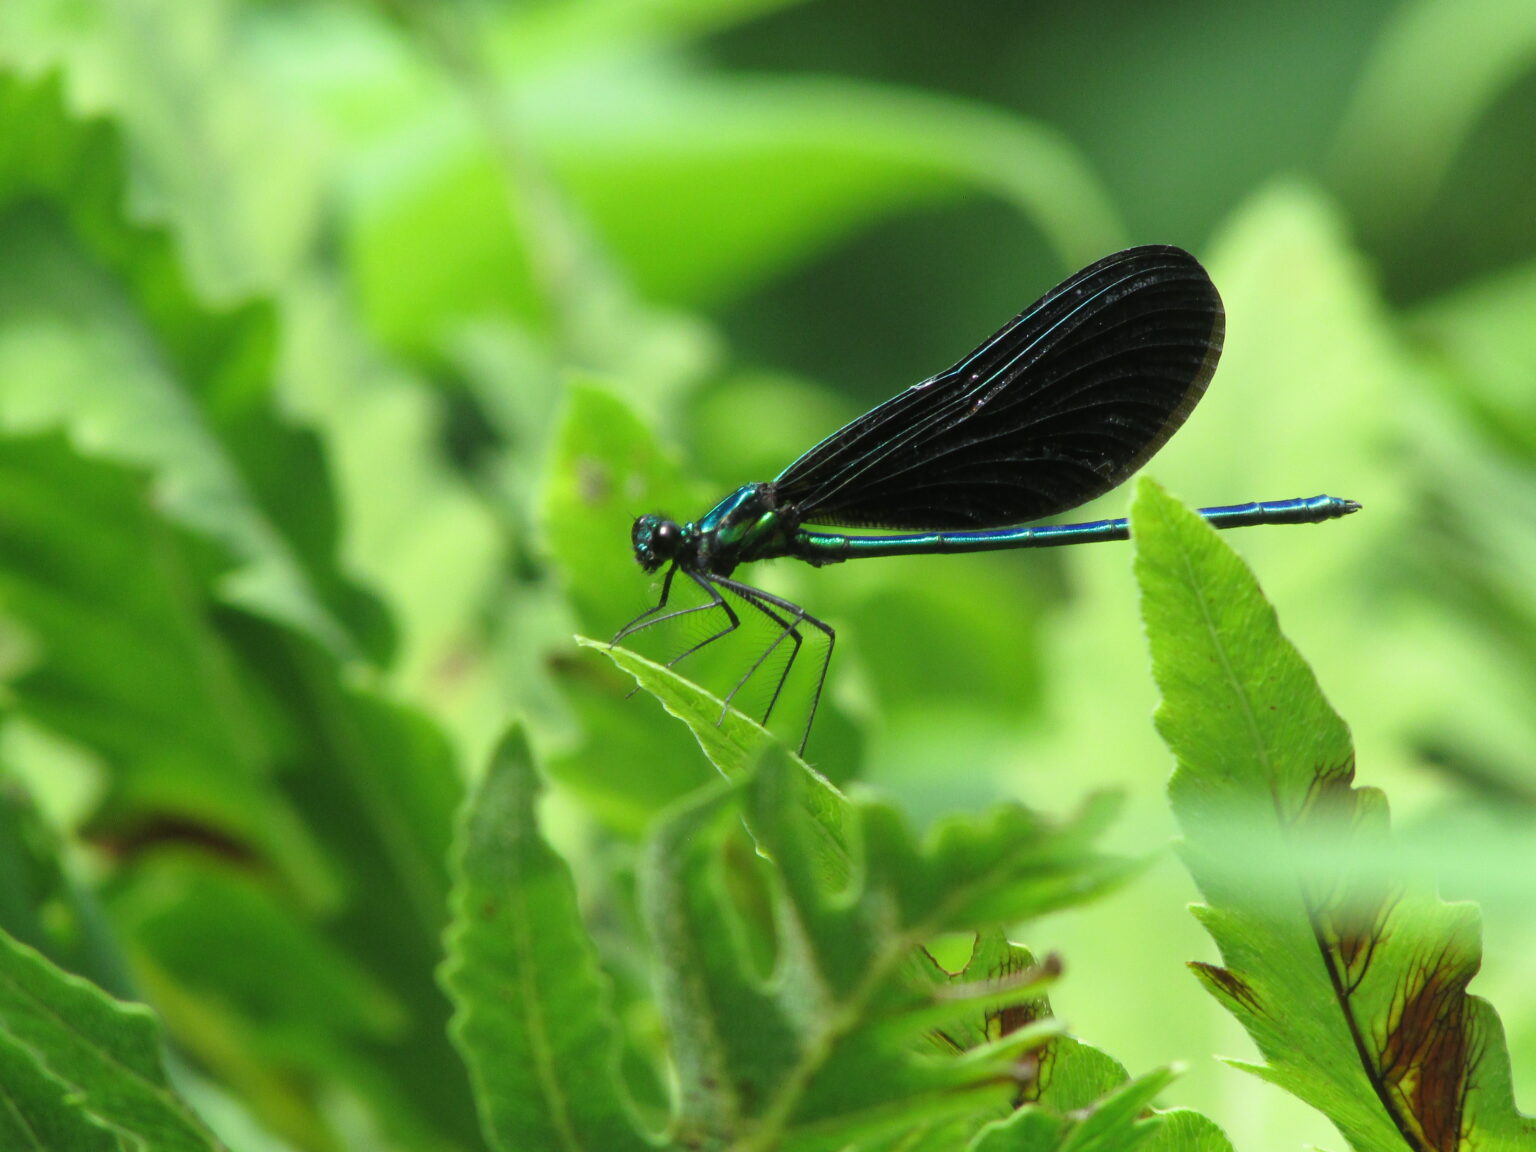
(657, 540)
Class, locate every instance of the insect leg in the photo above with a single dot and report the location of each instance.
(747, 592)
(649, 619)
(641, 622)
(716, 600)
(786, 628)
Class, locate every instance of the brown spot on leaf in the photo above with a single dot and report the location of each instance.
(1329, 798)
(594, 482)
(1231, 984)
(1425, 1056)
(1353, 926)
(1029, 1068)
(1029, 1073)
(1012, 1017)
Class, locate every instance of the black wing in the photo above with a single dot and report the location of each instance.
(1066, 401)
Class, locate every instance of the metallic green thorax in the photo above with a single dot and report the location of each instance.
(747, 525)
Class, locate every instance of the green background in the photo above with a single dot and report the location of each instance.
(340, 343)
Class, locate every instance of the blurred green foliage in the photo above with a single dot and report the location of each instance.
(340, 343)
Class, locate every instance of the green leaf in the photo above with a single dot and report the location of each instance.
(734, 743)
(1484, 337)
(1352, 982)
(842, 1043)
(1027, 1130)
(1476, 444)
(198, 119)
(200, 166)
(116, 604)
(106, 1052)
(376, 783)
(1117, 1120)
(532, 1016)
(1184, 1130)
(38, 1113)
(243, 971)
(409, 524)
(223, 731)
(765, 171)
(1115, 1123)
(43, 903)
(1071, 1074)
(606, 469)
(1079, 1097)
(102, 336)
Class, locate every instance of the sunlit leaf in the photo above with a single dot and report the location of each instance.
(834, 1048)
(44, 903)
(238, 225)
(201, 167)
(101, 335)
(732, 742)
(531, 1015)
(1120, 1121)
(117, 604)
(134, 659)
(606, 469)
(248, 972)
(1352, 986)
(106, 1052)
(39, 1113)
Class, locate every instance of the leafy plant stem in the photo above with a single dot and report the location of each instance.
(844, 1022)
